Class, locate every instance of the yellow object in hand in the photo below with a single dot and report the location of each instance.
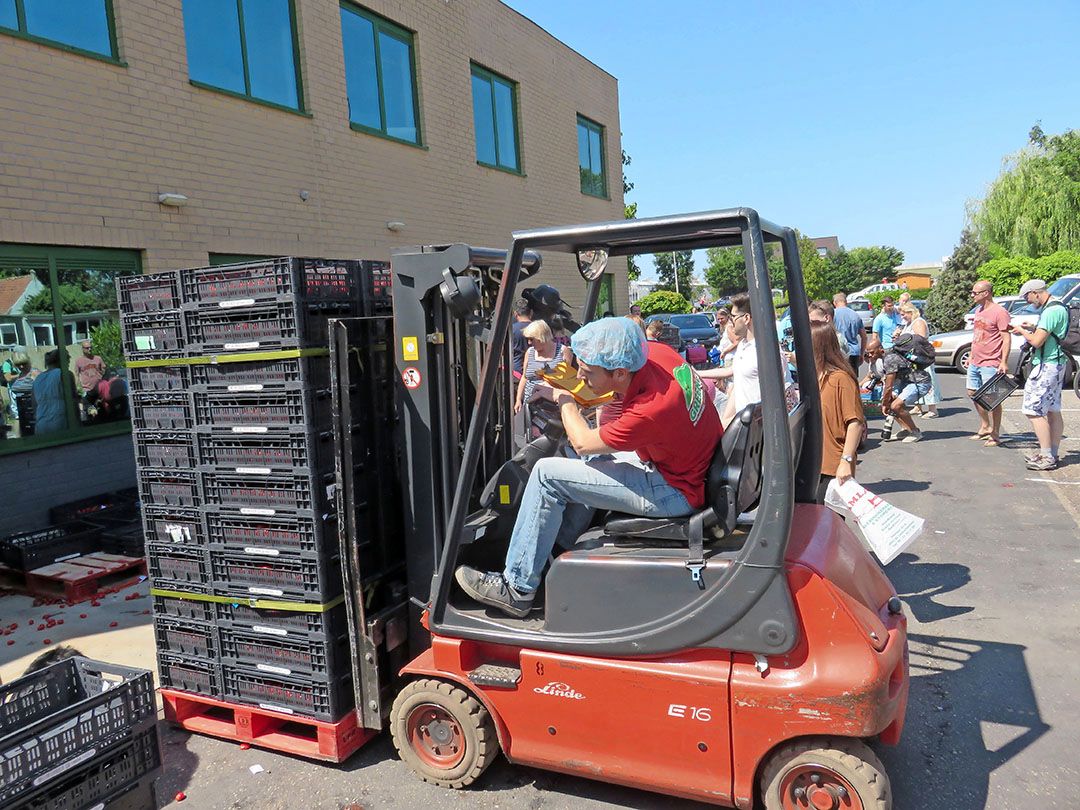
(564, 376)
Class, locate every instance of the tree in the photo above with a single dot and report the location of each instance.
(106, 341)
(663, 301)
(950, 297)
(666, 265)
(813, 268)
(72, 300)
(633, 272)
(725, 272)
(1033, 207)
(850, 270)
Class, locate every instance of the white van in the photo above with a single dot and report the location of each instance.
(873, 288)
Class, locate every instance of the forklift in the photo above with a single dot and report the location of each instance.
(744, 655)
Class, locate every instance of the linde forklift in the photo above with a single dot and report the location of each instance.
(746, 653)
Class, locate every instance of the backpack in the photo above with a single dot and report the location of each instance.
(916, 349)
(1070, 344)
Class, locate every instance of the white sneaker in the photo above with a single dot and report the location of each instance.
(930, 415)
(912, 437)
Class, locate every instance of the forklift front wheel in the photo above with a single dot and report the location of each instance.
(443, 733)
(827, 774)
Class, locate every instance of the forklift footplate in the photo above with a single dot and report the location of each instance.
(299, 736)
(493, 675)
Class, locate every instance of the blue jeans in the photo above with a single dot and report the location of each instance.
(563, 493)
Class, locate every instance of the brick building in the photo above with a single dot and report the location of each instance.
(293, 127)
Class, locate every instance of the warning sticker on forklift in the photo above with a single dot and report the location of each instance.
(411, 377)
(410, 348)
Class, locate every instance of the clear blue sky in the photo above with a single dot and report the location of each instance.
(875, 122)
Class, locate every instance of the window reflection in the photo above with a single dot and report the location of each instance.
(494, 119)
(269, 37)
(83, 24)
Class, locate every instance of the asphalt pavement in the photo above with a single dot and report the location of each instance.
(990, 589)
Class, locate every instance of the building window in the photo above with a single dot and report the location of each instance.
(591, 163)
(86, 25)
(495, 120)
(247, 47)
(60, 349)
(821, 251)
(380, 75)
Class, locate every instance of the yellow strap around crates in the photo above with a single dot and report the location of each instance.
(264, 604)
(244, 357)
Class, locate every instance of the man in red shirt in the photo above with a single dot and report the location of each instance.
(651, 461)
(990, 344)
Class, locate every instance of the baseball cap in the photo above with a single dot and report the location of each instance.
(1035, 285)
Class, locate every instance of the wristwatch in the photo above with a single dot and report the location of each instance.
(848, 459)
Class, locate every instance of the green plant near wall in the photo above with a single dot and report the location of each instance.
(875, 299)
(105, 338)
(663, 301)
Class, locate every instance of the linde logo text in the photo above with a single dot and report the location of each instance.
(559, 690)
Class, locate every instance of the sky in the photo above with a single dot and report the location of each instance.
(876, 122)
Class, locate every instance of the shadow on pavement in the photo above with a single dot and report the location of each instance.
(890, 485)
(962, 724)
(918, 583)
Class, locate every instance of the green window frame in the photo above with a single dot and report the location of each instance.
(381, 28)
(247, 93)
(592, 152)
(22, 30)
(51, 266)
(487, 87)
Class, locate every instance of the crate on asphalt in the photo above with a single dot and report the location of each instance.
(161, 410)
(159, 378)
(300, 492)
(57, 718)
(308, 373)
(174, 607)
(256, 413)
(150, 292)
(26, 551)
(199, 675)
(170, 488)
(280, 450)
(284, 655)
(284, 623)
(269, 536)
(165, 449)
(167, 526)
(306, 579)
(153, 336)
(177, 567)
(320, 699)
(327, 281)
(187, 638)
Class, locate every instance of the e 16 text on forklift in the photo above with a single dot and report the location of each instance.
(745, 653)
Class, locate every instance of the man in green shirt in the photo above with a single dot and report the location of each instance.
(1042, 392)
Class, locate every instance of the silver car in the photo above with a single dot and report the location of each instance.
(953, 350)
(865, 311)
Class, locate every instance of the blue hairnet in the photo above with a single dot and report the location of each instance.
(610, 343)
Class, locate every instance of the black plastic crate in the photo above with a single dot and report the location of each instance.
(283, 623)
(325, 280)
(153, 336)
(309, 373)
(299, 493)
(109, 781)
(274, 450)
(263, 411)
(162, 410)
(187, 638)
(286, 656)
(121, 533)
(26, 551)
(152, 292)
(174, 527)
(310, 697)
(307, 579)
(122, 500)
(159, 378)
(51, 719)
(271, 536)
(196, 610)
(165, 449)
(172, 488)
(172, 566)
(272, 326)
(201, 676)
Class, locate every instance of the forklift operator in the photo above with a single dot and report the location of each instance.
(651, 461)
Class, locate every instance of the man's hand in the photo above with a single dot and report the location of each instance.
(1003, 367)
(562, 397)
(844, 471)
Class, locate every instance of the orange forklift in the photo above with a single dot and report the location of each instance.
(747, 653)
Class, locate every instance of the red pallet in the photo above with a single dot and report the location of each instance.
(85, 577)
(288, 733)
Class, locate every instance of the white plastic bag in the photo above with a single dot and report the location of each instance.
(886, 529)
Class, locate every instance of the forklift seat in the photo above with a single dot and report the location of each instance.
(732, 487)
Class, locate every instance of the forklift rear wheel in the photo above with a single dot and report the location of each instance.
(443, 733)
(825, 774)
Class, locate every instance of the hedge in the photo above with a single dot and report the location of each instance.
(1008, 274)
(663, 301)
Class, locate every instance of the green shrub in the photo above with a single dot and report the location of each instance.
(875, 298)
(1007, 274)
(663, 301)
(105, 338)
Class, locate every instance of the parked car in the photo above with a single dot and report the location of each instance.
(953, 350)
(874, 288)
(864, 310)
(697, 326)
(1010, 302)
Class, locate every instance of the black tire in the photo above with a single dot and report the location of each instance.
(961, 359)
(1076, 379)
(443, 733)
(839, 762)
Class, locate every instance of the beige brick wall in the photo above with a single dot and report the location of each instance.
(86, 146)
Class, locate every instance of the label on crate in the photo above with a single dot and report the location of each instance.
(269, 631)
(239, 347)
(237, 302)
(68, 557)
(273, 670)
(253, 470)
(248, 510)
(266, 591)
(249, 429)
(64, 766)
(265, 552)
(145, 343)
(178, 533)
(246, 387)
(270, 707)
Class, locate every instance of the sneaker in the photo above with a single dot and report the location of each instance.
(912, 437)
(930, 415)
(1030, 457)
(491, 588)
(899, 435)
(1043, 463)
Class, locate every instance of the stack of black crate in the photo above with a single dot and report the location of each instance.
(234, 447)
